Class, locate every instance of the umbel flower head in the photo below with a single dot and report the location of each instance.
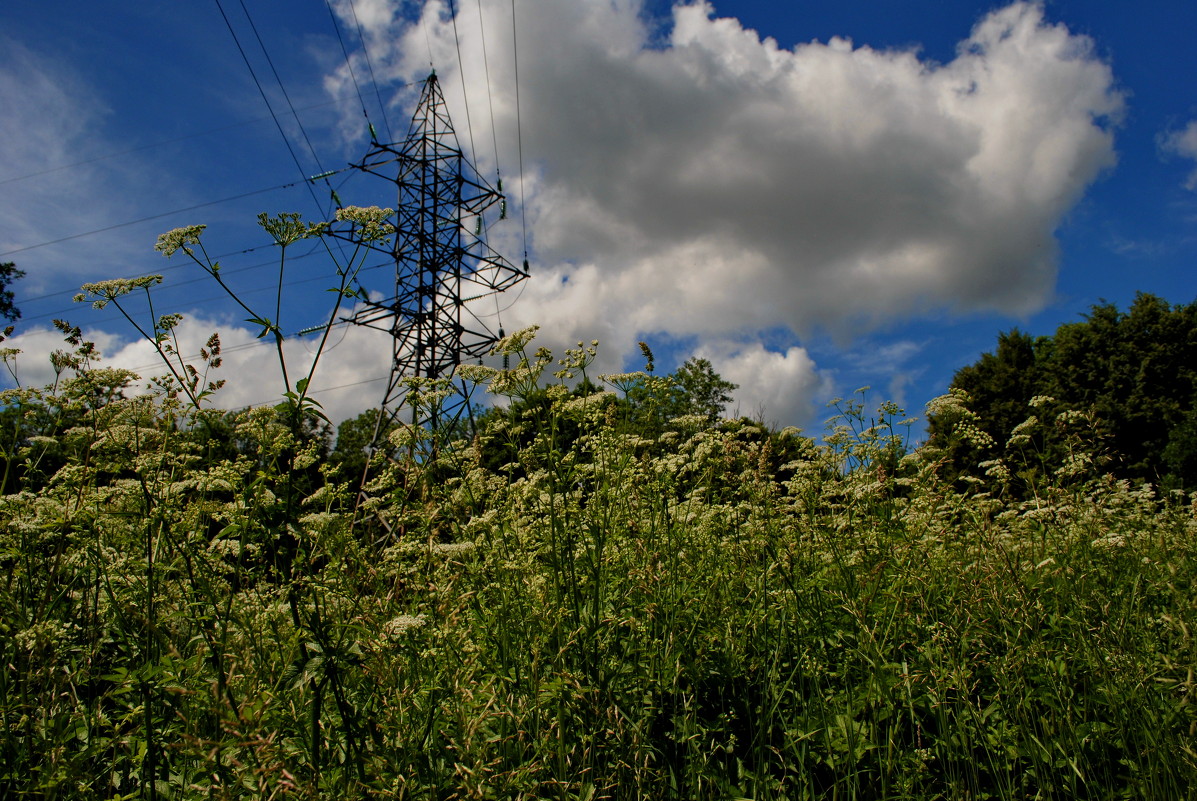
(287, 228)
(371, 220)
(101, 292)
(171, 241)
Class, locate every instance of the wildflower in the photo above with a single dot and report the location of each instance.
(406, 436)
(592, 401)
(172, 241)
(452, 549)
(397, 627)
(427, 393)
(1019, 435)
(624, 382)
(514, 343)
(364, 215)
(996, 469)
(647, 352)
(371, 220)
(579, 358)
(477, 373)
(954, 404)
(102, 292)
(287, 228)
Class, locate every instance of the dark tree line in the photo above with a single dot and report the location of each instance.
(1133, 372)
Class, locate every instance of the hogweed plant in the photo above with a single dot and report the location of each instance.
(585, 599)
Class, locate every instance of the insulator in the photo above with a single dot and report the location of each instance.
(478, 225)
(500, 184)
(503, 209)
(337, 199)
(373, 133)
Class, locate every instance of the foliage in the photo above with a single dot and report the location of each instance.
(8, 274)
(713, 611)
(1133, 373)
(354, 437)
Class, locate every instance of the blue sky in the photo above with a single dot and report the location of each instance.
(814, 196)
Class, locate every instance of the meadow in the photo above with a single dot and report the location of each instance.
(584, 599)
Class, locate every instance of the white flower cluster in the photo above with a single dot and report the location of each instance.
(398, 627)
(101, 292)
(170, 242)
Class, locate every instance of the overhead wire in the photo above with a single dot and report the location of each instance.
(519, 129)
(253, 74)
(283, 89)
(153, 217)
(465, 98)
(201, 302)
(244, 346)
(382, 107)
(182, 265)
(160, 215)
(490, 102)
(349, 64)
(151, 145)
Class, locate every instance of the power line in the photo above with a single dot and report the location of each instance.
(519, 129)
(257, 343)
(178, 265)
(154, 217)
(490, 101)
(151, 145)
(370, 65)
(199, 303)
(349, 66)
(465, 97)
(265, 99)
(283, 89)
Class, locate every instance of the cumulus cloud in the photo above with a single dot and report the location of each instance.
(1184, 143)
(776, 387)
(712, 184)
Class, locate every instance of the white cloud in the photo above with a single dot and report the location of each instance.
(776, 387)
(1184, 143)
(714, 184)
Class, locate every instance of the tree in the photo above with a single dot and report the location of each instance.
(1135, 373)
(354, 436)
(700, 390)
(8, 274)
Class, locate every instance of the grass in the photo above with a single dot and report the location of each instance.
(681, 617)
(586, 601)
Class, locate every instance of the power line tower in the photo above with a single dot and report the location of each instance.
(442, 261)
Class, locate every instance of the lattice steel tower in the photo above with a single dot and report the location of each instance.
(442, 262)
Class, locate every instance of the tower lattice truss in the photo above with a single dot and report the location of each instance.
(443, 264)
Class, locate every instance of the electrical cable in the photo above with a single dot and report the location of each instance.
(519, 129)
(465, 98)
(283, 89)
(386, 123)
(490, 102)
(349, 64)
(181, 265)
(200, 302)
(266, 100)
(176, 211)
(244, 346)
(151, 145)
(153, 217)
